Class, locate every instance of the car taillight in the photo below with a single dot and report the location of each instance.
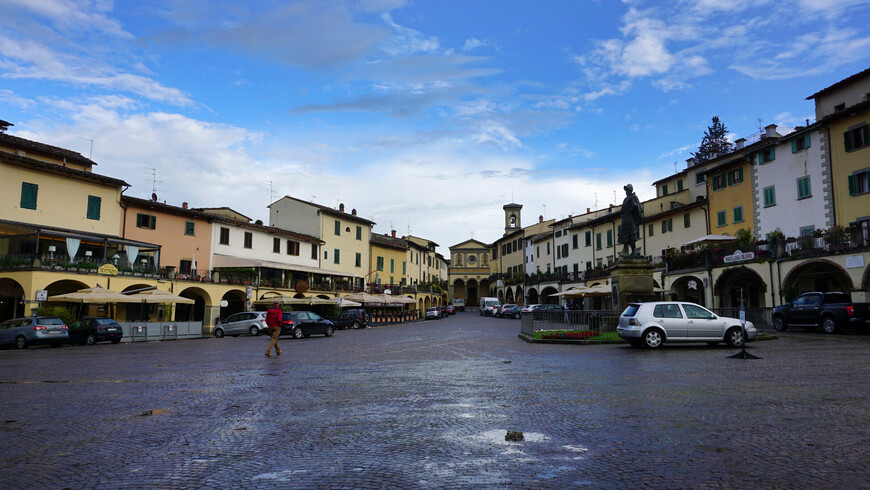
(633, 322)
(64, 327)
(850, 310)
(39, 327)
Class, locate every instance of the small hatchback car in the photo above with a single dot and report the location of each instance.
(89, 331)
(250, 322)
(652, 324)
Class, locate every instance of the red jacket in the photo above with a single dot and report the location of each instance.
(274, 316)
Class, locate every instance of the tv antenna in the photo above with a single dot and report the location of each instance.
(154, 179)
(271, 191)
(91, 154)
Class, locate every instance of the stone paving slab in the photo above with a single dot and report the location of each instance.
(427, 405)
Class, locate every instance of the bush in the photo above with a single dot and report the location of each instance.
(67, 315)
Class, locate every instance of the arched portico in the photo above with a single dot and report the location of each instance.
(532, 295)
(740, 280)
(547, 295)
(196, 311)
(11, 305)
(816, 275)
(236, 300)
(688, 288)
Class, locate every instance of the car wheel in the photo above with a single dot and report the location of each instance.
(329, 331)
(779, 324)
(297, 333)
(356, 325)
(218, 332)
(734, 337)
(653, 338)
(254, 331)
(20, 342)
(91, 340)
(829, 325)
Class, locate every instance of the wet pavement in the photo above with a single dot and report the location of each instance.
(428, 405)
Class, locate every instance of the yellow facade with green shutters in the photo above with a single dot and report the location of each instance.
(730, 196)
(389, 265)
(850, 167)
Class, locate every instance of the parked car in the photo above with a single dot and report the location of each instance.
(450, 309)
(353, 317)
(512, 312)
(89, 331)
(27, 331)
(432, 313)
(502, 310)
(529, 308)
(652, 324)
(250, 322)
(459, 304)
(443, 311)
(548, 306)
(305, 323)
(828, 310)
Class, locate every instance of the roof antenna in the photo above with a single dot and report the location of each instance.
(92, 147)
(271, 191)
(154, 179)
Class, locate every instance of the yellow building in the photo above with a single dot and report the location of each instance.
(729, 187)
(389, 260)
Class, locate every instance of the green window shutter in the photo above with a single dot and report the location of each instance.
(337, 227)
(651, 229)
(760, 158)
(392, 266)
(720, 218)
(847, 138)
(28, 195)
(687, 220)
(404, 270)
(679, 185)
(730, 179)
(853, 189)
(772, 153)
(664, 226)
(807, 140)
(740, 174)
(866, 135)
(794, 146)
(94, 207)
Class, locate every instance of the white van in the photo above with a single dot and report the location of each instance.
(486, 306)
(459, 304)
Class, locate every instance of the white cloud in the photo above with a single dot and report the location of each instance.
(72, 15)
(407, 41)
(498, 134)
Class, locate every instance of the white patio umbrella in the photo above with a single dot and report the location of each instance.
(97, 294)
(160, 296)
(710, 239)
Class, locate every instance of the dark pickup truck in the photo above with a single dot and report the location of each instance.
(828, 310)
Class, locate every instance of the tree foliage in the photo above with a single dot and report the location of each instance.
(714, 144)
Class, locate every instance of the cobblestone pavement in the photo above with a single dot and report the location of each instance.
(428, 405)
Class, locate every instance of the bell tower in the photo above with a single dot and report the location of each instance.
(512, 213)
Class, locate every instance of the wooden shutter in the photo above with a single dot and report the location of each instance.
(847, 138)
(807, 140)
(794, 148)
(853, 188)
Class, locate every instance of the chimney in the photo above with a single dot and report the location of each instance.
(588, 210)
(739, 143)
(770, 131)
(690, 162)
(184, 205)
(353, 211)
(394, 233)
(540, 218)
(341, 207)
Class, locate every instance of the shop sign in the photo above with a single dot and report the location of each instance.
(738, 256)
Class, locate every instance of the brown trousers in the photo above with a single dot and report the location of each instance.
(276, 332)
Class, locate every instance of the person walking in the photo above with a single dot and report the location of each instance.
(273, 321)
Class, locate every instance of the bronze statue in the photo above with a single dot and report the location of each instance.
(632, 218)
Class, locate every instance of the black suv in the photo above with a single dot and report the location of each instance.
(353, 317)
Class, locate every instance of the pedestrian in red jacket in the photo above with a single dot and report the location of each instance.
(274, 317)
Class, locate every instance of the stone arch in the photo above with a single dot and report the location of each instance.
(509, 296)
(820, 275)
(421, 306)
(196, 311)
(298, 295)
(501, 297)
(236, 301)
(11, 303)
(729, 285)
(324, 296)
(519, 297)
(268, 294)
(688, 288)
(532, 295)
(427, 302)
(64, 286)
(546, 295)
(136, 311)
(472, 292)
(482, 290)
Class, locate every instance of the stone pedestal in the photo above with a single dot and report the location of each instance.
(632, 281)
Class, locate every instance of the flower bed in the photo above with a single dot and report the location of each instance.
(564, 334)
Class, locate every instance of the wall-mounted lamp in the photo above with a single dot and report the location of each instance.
(115, 259)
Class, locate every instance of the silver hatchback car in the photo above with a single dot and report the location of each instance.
(652, 324)
(250, 322)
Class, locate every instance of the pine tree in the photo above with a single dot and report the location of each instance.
(714, 144)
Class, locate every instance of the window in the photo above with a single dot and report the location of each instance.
(720, 218)
(719, 182)
(651, 230)
(538, 251)
(313, 252)
(804, 190)
(667, 225)
(801, 143)
(769, 196)
(336, 258)
(687, 220)
(293, 248)
(325, 255)
(28, 195)
(857, 138)
(588, 238)
(558, 233)
(667, 311)
(150, 221)
(699, 178)
(565, 250)
(249, 240)
(94, 207)
(738, 214)
(598, 241)
(807, 230)
(695, 311)
(357, 261)
(665, 190)
(576, 268)
(558, 252)
(766, 155)
(840, 107)
(679, 185)
(575, 241)
(189, 228)
(392, 267)
(548, 248)
(735, 176)
(380, 264)
(404, 268)
(609, 238)
(276, 245)
(225, 236)
(859, 182)
(359, 232)
(337, 227)
(588, 264)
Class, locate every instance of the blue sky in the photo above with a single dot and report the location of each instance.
(428, 115)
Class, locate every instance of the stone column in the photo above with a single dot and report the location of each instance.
(632, 281)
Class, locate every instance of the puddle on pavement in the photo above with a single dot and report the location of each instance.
(156, 411)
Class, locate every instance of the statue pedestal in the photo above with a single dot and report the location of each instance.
(632, 280)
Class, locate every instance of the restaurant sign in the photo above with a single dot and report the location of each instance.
(738, 256)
